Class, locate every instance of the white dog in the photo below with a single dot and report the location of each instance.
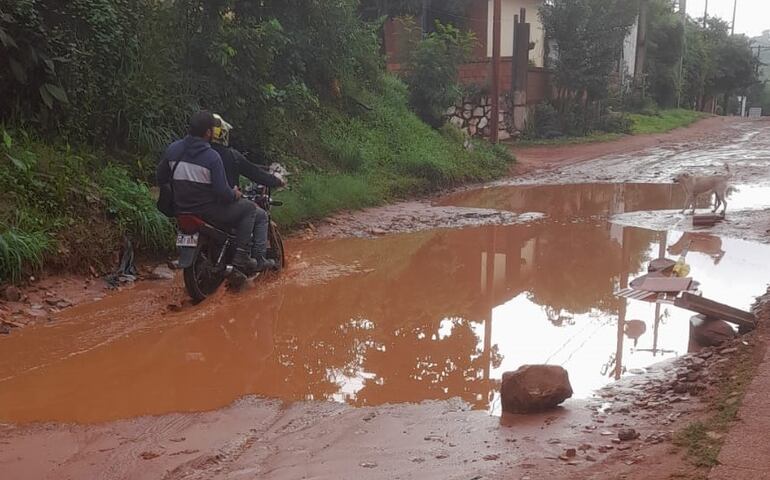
(697, 185)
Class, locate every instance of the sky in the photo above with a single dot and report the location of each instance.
(753, 16)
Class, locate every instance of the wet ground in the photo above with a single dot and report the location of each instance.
(435, 302)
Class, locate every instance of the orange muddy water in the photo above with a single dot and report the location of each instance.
(401, 318)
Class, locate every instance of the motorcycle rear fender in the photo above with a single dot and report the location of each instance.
(186, 256)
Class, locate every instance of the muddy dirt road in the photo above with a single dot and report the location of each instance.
(378, 353)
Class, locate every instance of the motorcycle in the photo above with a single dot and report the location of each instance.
(206, 252)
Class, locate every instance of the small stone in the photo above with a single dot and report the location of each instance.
(417, 459)
(491, 457)
(623, 447)
(148, 455)
(570, 452)
(368, 465)
(680, 388)
(12, 294)
(377, 231)
(554, 441)
(728, 351)
(442, 456)
(162, 272)
(589, 458)
(62, 304)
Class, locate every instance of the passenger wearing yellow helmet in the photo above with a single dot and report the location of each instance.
(236, 164)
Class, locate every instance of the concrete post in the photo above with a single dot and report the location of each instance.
(519, 79)
(496, 34)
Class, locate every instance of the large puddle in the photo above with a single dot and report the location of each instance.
(403, 318)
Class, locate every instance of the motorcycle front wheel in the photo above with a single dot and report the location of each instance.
(275, 250)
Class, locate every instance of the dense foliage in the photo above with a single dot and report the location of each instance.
(432, 72)
(715, 63)
(588, 36)
(93, 89)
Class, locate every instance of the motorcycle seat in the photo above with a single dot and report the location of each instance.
(190, 223)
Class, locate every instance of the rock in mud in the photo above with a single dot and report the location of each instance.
(710, 332)
(534, 388)
(627, 434)
(12, 294)
(162, 272)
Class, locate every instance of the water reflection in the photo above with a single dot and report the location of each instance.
(405, 318)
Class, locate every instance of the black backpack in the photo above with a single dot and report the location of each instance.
(166, 197)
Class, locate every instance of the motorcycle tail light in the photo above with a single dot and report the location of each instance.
(189, 223)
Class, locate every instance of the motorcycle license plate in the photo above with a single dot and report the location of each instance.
(183, 240)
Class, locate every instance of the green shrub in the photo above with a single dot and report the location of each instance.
(544, 122)
(432, 72)
(134, 210)
(614, 123)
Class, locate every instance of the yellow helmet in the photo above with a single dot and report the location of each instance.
(221, 131)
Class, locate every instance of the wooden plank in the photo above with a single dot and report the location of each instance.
(635, 294)
(706, 220)
(710, 308)
(665, 284)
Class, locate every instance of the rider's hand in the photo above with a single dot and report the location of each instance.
(237, 192)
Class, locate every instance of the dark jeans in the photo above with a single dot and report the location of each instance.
(239, 215)
(259, 247)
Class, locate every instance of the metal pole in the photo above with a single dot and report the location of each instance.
(735, 9)
(496, 34)
(705, 13)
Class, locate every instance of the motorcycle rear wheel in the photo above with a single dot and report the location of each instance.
(200, 279)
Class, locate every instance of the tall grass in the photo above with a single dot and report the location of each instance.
(21, 250)
(132, 205)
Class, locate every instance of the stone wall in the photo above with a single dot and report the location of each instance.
(474, 116)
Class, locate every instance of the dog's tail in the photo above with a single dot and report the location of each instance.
(730, 190)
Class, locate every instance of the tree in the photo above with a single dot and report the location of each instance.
(432, 72)
(588, 36)
(664, 47)
(717, 63)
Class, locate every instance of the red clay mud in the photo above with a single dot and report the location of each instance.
(380, 357)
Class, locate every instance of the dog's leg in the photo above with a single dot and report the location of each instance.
(717, 201)
(686, 203)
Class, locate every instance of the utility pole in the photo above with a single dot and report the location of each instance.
(641, 45)
(735, 9)
(683, 15)
(496, 39)
(425, 4)
(705, 13)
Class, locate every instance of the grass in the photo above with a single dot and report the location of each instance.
(642, 124)
(384, 153)
(67, 208)
(131, 204)
(20, 249)
(703, 439)
(664, 121)
(593, 138)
